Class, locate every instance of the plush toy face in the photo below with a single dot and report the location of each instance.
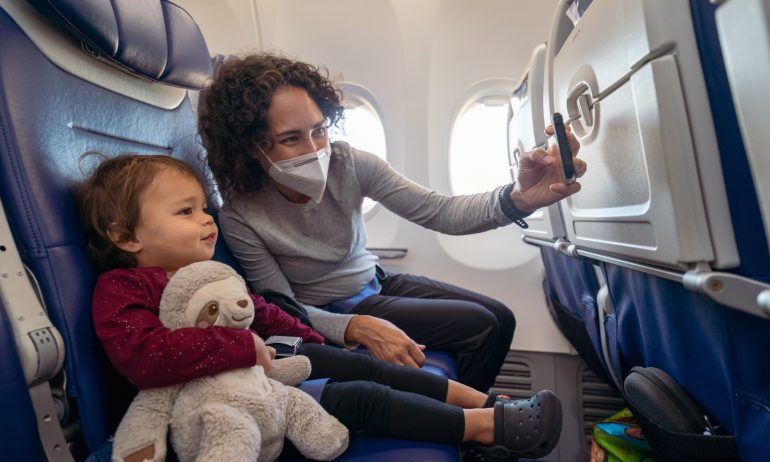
(221, 303)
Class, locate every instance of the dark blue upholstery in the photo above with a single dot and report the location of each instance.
(362, 448)
(441, 363)
(716, 353)
(739, 183)
(372, 449)
(570, 287)
(48, 119)
(155, 39)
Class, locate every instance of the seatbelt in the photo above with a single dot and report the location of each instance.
(38, 343)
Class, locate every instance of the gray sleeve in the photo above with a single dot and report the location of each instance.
(454, 215)
(331, 325)
(262, 272)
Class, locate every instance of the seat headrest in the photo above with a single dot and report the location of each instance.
(155, 39)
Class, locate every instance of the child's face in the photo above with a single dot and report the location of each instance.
(174, 229)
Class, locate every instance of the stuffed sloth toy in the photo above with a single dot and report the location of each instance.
(239, 415)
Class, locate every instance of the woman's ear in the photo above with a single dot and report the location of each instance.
(258, 149)
(122, 239)
(258, 155)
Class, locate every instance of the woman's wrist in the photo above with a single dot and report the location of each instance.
(511, 204)
(352, 331)
(519, 203)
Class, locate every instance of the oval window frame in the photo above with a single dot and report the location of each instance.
(472, 250)
(498, 89)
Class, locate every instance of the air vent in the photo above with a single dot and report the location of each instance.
(600, 400)
(515, 379)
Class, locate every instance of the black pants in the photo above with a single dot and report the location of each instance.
(476, 328)
(365, 393)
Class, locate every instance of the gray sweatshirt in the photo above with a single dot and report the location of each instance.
(317, 252)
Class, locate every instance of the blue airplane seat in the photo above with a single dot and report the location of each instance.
(741, 189)
(715, 352)
(747, 335)
(571, 288)
(50, 116)
(674, 199)
(81, 76)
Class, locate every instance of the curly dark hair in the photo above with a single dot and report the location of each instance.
(232, 113)
(110, 200)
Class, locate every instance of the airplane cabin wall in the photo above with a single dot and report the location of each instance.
(229, 26)
(421, 61)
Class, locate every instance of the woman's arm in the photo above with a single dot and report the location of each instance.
(335, 325)
(148, 354)
(539, 184)
(454, 215)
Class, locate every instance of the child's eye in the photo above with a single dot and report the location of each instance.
(186, 211)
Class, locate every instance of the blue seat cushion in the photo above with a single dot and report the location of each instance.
(441, 363)
(362, 448)
(377, 449)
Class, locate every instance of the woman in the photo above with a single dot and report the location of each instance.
(292, 217)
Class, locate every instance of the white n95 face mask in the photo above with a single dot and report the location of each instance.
(305, 174)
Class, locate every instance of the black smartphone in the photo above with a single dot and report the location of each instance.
(284, 345)
(568, 168)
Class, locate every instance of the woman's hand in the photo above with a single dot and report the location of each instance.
(540, 181)
(265, 354)
(385, 341)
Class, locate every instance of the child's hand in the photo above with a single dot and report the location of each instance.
(265, 354)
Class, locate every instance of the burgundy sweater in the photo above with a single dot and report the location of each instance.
(125, 314)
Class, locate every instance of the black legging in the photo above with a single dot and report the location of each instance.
(365, 393)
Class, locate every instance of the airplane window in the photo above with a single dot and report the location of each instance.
(362, 128)
(478, 150)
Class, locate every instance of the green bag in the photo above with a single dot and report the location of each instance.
(619, 438)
